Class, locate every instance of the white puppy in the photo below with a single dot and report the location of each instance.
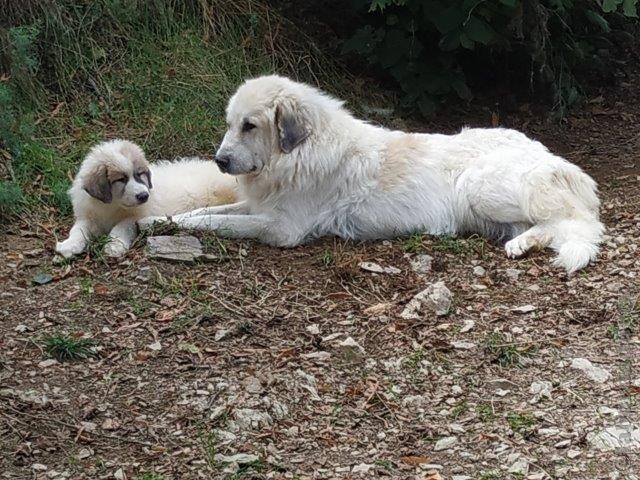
(115, 186)
(309, 168)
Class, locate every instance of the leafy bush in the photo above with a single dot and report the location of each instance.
(432, 47)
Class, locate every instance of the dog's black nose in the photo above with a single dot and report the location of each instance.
(223, 162)
(142, 197)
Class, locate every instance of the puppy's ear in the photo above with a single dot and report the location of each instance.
(97, 184)
(292, 125)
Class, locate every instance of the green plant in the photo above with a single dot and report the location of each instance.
(520, 422)
(627, 318)
(485, 412)
(64, 347)
(459, 409)
(504, 352)
(459, 246)
(151, 476)
(413, 243)
(430, 48)
(11, 199)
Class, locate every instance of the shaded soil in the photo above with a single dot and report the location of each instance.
(194, 364)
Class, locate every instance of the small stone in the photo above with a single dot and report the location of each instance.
(479, 271)
(513, 274)
(608, 411)
(436, 298)
(573, 453)
(155, 346)
(84, 453)
(445, 443)
(350, 348)
(38, 466)
(468, 325)
(239, 458)
(313, 329)
(375, 268)
(320, 356)
(21, 328)
(119, 474)
(179, 248)
(461, 477)
(248, 418)
(597, 374)
(221, 334)
(519, 467)
(252, 385)
(612, 438)
(563, 444)
(463, 345)
(421, 263)
(524, 309)
(362, 468)
(48, 363)
(540, 389)
(88, 426)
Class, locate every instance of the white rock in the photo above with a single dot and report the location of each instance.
(524, 309)
(48, 363)
(421, 263)
(179, 248)
(88, 426)
(573, 453)
(611, 438)
(539, 390)
(321, 356)
(239, 458)
(463, 345)
(563, 444)
(84, 453)
(362, 468)
(468, 325)
(252, 385)
(520, 466)
(308, 383)
(248, 418)
(604, 410)
(119, 474)
(220, 334)
(21, 328)
(445, 443)
(350, 348)
(513, 274)
(549, 431)
(479, 271)
(375, 268)
(461, 477)
(436, 298)
(313, 329)
(39, 466)
(155, 346)
(597, 374)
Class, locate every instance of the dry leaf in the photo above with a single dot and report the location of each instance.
(414, 460)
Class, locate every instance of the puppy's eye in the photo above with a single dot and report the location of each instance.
(248, 126)
(121, 180)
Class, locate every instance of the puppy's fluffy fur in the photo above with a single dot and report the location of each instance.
(309, 168)
(116, 185)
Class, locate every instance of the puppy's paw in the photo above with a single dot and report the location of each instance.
(69, 248)
(516, 248)
(115, 249)
(146, 224)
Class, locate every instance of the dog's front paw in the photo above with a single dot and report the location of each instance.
(146, 224)
(515, 248)
(69, 248)
(115, 249)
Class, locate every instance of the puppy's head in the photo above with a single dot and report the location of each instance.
(116, 172)
(266, 117)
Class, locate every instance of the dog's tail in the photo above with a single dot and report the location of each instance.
(576, 242)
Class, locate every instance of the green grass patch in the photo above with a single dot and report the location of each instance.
(520, 422)
(627, 317)
(64, 347)
(505, 352)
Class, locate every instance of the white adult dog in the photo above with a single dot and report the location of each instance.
(309, 168)
(114, 188)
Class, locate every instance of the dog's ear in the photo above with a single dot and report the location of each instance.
(292, 125)
(97, 184)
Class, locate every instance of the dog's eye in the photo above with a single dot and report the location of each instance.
(122, 179)
(247, 126)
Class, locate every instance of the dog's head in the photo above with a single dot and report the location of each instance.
(267, 116)
(116, 172)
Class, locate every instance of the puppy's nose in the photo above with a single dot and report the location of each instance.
(142, 197)
(223, 162)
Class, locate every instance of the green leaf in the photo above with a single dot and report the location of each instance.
(629, 8)
(597, 19)
(479, 31)
(466, 42)
(609, 6)
(446, 20)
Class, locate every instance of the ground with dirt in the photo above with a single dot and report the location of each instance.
(304, 363)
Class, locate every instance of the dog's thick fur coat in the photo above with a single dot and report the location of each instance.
(308, 168)
(115, 186)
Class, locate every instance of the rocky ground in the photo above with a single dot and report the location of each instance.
(319, 362)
